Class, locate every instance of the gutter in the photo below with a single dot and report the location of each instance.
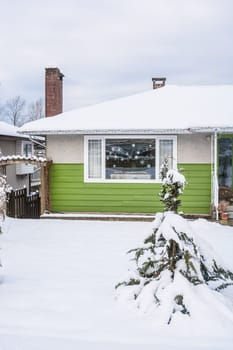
(219, 130)
(108, 132)
(115, 131)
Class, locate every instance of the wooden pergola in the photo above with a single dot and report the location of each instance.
(44, 174)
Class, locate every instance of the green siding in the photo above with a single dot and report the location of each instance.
(197, 193)
(69, 193)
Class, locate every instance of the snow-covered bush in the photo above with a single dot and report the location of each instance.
(170, 267)
(4, 188)
(173, 183)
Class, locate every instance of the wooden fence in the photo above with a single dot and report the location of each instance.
(19, 205)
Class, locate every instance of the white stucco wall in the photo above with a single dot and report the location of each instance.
(65, 148)
(194, 148)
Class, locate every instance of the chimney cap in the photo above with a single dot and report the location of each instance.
(55, 70)
(159, 79)
(158, 82)
(52, 68)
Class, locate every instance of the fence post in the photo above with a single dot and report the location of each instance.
(45, 188)
(42, 189)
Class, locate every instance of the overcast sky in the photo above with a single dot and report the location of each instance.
(112, 48)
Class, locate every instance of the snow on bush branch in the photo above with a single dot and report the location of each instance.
(171, 273)
(4, 188)
(173, 184)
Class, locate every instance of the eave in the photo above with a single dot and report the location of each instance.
(109, 132)
(206, 130)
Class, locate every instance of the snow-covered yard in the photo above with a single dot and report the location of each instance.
(58, 281)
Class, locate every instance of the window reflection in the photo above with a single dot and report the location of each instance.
(225, 162)
(130, 159)
(27, 149)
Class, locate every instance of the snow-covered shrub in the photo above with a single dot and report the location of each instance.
(173, 183)
(4, 188)
(169, 265)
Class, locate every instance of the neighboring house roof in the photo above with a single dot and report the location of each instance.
(8, 160)
(171, 109)
(10, 130)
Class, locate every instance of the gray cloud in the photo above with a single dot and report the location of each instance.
(112, 48)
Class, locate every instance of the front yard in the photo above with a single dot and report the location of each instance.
(57, 289)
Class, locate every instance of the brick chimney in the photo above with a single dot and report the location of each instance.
(53, 92)
(158, 82)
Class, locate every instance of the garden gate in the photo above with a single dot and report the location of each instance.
(20, 205)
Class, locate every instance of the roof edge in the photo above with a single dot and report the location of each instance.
(226, 129)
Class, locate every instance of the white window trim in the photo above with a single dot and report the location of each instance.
(157, 138)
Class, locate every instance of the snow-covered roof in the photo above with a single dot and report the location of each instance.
(171, 109)
(10, 130)
(4, 160)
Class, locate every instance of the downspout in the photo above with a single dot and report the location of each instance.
(215, 175)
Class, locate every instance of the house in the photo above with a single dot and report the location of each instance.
(107, 157)
(14, 143)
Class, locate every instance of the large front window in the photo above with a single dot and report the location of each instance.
(129, 159)
(135, 159)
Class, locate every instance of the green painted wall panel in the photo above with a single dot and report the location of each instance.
(69, 193)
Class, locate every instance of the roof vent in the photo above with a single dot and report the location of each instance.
(158, 82)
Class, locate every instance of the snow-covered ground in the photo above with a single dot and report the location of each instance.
(58, 281)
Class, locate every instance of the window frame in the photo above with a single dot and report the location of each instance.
(25, 144)
(103, 138)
